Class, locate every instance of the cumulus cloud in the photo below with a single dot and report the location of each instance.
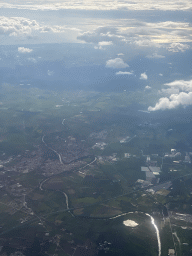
(16, 26)
(172, 5)
(106, 34)
(145, 43)
(32, 60)
(169, 91)
(104, 43)
(181, 85)
(116, 63)
(180, 92)
(24, 50)
(143, 76)
(176, 87)
(173, 101)
(178, 47)
(124, 73)
(20, 26)
(101, 45)
(147, 87)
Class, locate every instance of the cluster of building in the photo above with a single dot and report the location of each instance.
(99, 135)
(188, 158)
(70, 149)
(174, 153)
(151, 173)
(112, 158)
(105, 246)
(100, 145)
(128, 155)
(124, 140)
(25, 163)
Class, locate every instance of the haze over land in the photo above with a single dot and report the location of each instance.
(96, 45)
(95, 128)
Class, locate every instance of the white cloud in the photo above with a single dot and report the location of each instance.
(143, 76)
(106, 34)
(170, 35)
(20, 26)
(50, 73)
(120, 54)
(176, 87)
(32, 60)
(172, 5)
(15, 26)
(160, 74)
(124, 73)
(181, 85)
(104, 43)
(180, 92)
(116, 63)
(147, 87)
(24, 50)
(155, 56)
(169, 91)
(178, 47)
(173, 101)
(145, 43)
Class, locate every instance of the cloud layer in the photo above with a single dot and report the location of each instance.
(17, 26)
(172, 5)
(173, 36)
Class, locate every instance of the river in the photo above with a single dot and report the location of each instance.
(123, 214)
(153, 223)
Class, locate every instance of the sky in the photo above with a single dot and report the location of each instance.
(129, 44)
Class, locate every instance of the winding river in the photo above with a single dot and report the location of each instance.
(111, 218)
(60, 159)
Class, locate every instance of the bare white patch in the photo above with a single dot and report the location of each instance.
(130, 223)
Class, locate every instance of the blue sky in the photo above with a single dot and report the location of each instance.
(118, 35)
